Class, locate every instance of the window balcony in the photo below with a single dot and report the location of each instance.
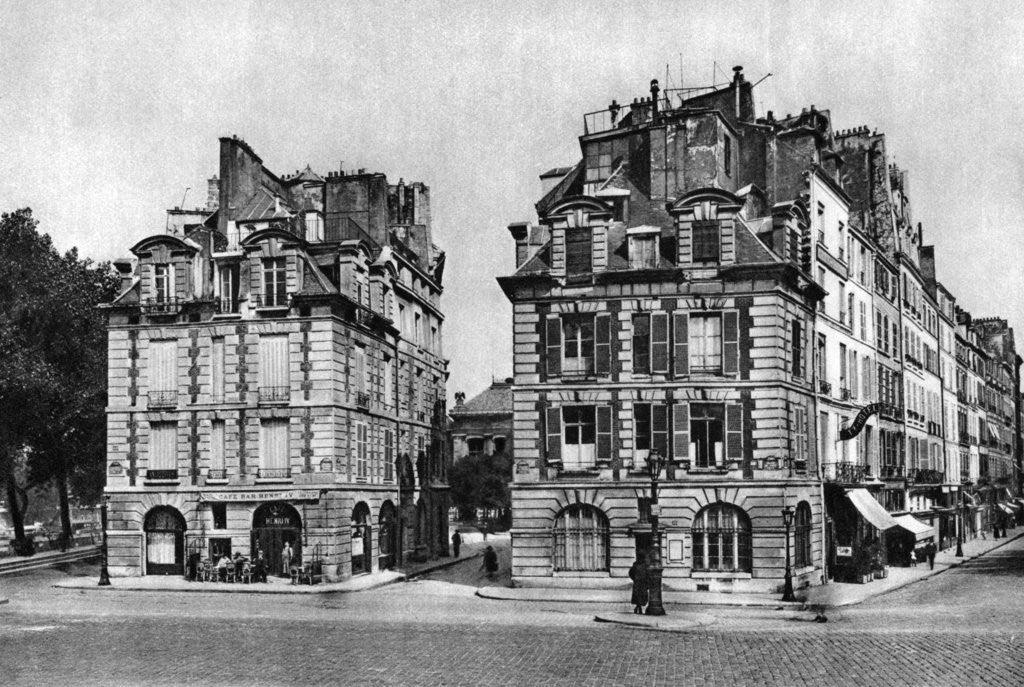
(274, 473)
(160, 306)
(924, 476)
(362, 400)
(892, 471)
(227, 306)
(824, 387)
(844, 394)
(163, 399)
(217, 474)
(163, 475)
(843, 473)
(270, 302)
(275, 394)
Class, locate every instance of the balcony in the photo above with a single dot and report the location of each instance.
(844, 394)
(274, 473)
(924, 476)
(844, 473)
(275, 394)
(892, 471)
(220, 474)
(227, 306)
(270, 302)
(160, 306)
(163, 399)
(824, 387)
(362, 400)
(162, 474)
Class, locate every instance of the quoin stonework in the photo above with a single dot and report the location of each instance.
(277, 377)
(749, 297)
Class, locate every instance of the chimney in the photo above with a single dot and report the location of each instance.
(212, 193)
(521, 233)
(277, 204)
(460, 399)
(654, 98)
(737, 79)
(124, 271)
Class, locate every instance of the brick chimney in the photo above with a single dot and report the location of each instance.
(212, 193)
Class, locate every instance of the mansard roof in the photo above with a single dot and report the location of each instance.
(175, 242)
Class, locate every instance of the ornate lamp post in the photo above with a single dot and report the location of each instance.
(104, 575)
(787, 520)
(960, 527)
(655, 462)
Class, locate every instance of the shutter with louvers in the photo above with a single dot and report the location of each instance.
(680, 431)
(734, 431)
(164, 362)
(554, 434)
(730, 342)
(603, 344)
(659, 342)
(604, 433)
(681, 349)
(659, 428)
(553, 348)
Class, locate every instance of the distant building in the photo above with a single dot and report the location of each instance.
(482, 426)
(277, 376)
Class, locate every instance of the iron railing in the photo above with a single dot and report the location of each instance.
(824, 387)
(362, 400)
(892, 471)
(162, 474)
(275, 394)
(163, 399)
(217, 474)
(846, 473)
(269, 300)
(274, 473)
(160, 306)
(925, 476)
(227, 306)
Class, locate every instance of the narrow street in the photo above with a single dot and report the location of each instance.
(963, 627)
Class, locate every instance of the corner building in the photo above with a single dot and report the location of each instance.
(663, 304)
(276, 377)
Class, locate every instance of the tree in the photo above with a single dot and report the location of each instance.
(480, 483)
(53, 381)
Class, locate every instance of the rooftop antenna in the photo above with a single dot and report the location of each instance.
(762, 78)
(183, 196)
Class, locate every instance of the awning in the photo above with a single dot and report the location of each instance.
(1006, 509)
(920, 530)
(994, 431)
(969, 500)
(871, 509)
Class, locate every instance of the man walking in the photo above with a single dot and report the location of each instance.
(456, 543)
(929, 551)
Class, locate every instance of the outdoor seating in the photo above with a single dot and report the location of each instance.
(246, 575)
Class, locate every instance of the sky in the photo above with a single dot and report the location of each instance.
(110, 111)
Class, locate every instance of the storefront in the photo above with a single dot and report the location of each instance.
(912, 535)
(164, 529)
(860, 525)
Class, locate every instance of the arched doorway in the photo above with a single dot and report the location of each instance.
(362, 546)
(388, 537)
(274, 525)
(165, 541)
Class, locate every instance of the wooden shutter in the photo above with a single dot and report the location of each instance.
(217, 369)
(603, 344)
(730, 342)
(553, 348)
(273, 361)
(164, 361)
(659, 428)
(554, 433)
(604, 433)
(641, 344)
(733, 432)
(659, 342)
(681, 337)
(680, 431)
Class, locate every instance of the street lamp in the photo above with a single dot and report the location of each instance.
(960, 527)
(655, 462)
(104, 575)
(787, 520)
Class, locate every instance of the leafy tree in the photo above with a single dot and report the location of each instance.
(481, 483)
(53, 373)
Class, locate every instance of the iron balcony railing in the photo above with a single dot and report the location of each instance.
(892, 471)
(845, 473)
(844, 394)
(160, 306)
(925, 476)
(270, 300)
(274, 394)
(163, 399)
(274, 473)
(362, 399)
(162, 474)
(824, 387)
(217, 474)
(227, 306)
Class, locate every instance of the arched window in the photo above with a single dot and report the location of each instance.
(802, 535)
(581, 539)
(721, 539)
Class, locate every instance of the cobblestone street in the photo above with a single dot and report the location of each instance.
(962, 627)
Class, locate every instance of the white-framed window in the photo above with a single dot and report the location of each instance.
(163, 449)
(389, 455)
(274, 383)
(314, 226)
(705, 337)
(163, 282)
(707, 434)
(274, 460)
(163, 361)
(578, 344)
(579, 437)
(217, 369)
(721, 539)
(643, 249)
(800, 443)
(275, 286)
(580, 536)
(360, 448)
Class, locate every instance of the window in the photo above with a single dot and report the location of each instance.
(217, 369)
(641, 343)
(579, 429)
(418, 328)
(705, 242)
(578, 250)
(854, 374)
(163, 449)
(707, 434)
(866, 378)
(821, 223)
(274, 448)
(721, 539)
(229, 288)
(220, 515)
(842, 242)
(163, 283)
(643, 251)
(799, 430)
(359, 451)
(822, 367)
(650, 430)
(821, 283)
(578, 348)
(580, 539)
(275, 288)
(599, 161)
(273, 368)
(475, 446)
(359, 369)
(862, 308)
(389, 455)
(650, 343)
(802, 536)
(842, 366)
(727, 154)
(314, 227)
(849, 311)
(163, 380)
(798, 349)
(217, 450)
(705, 338)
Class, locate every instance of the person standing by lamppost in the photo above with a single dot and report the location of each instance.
(960, 527)
(104, 575)
(787, 590)
(655, 462)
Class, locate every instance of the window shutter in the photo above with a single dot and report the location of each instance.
(730, 342)
(554, 432)
(681, 335)
(603, 344)
(659, 342)
(659, 429)
(681, 431)
(604, 433)
(554, 345)
(734, 431)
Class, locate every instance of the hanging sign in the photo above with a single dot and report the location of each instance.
(847, 433)
(262, 495)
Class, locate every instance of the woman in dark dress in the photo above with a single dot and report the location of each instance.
(641, 588)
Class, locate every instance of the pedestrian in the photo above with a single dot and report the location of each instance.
(261, 566)
(490, 562)
(483, 530)
(913, 558)
(286, 560)
(456, 543)
(929, 551)
(222, 567)
(641, 585)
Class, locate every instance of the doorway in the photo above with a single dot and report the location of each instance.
(362, 546)
(387, 536)
(165, 541)
(275, 526)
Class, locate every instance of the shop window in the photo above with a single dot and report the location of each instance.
(802, 536)
(581, 539)
(721, 540)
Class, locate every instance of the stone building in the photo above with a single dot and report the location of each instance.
(276, 376)
(482, 428)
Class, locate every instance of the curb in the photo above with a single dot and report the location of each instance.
(678, 622)
(441, 566)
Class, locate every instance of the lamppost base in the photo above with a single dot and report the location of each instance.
(787, 590)
(651, 610)
(104, 579)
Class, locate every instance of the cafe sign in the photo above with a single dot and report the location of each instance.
(245, 496)
(847, 433)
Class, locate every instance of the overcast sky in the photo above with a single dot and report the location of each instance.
(109, 111)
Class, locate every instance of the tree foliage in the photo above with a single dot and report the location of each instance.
(481, 483)
(53, 371)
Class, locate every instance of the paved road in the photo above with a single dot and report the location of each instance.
(963, 627)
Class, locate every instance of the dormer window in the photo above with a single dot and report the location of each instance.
(599, 161)
(643, 247)
(727, 151)
(314, 226)
(706, 242)
(578, 250)
(163, 283)
(275, 287)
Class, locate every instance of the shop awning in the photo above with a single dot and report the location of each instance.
(920, 530)
(1007, 509)
(871, 509)
(969, 500)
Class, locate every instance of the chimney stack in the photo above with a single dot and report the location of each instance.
(212, 193)
(654, 97)
(737, 79)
